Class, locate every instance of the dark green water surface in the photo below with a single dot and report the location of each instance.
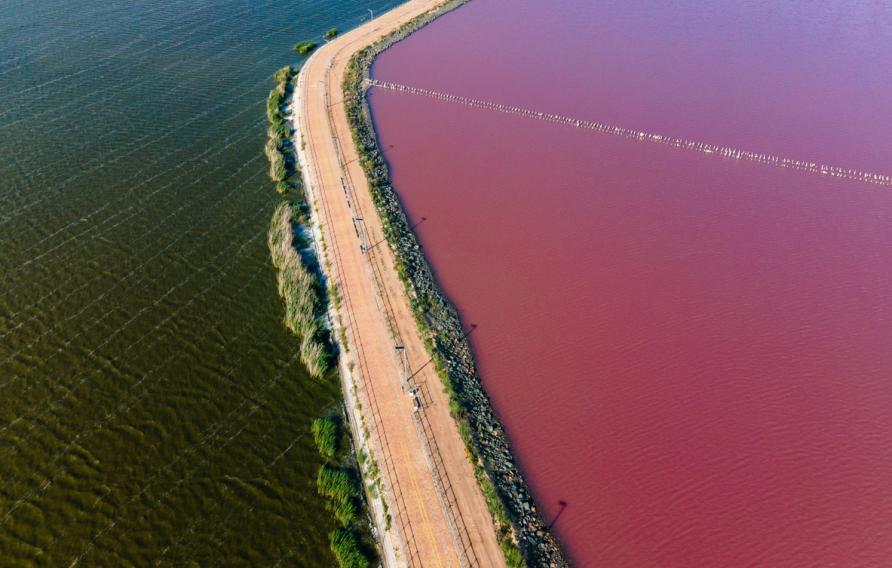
(152, 410)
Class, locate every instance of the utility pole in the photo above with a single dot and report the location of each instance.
(423, 219)
(464, 335)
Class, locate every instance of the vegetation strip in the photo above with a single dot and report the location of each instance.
(295, 263)
(282, 166)
(299, 284)
(521, 530)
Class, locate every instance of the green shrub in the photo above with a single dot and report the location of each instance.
(331, 33)
(305, 47)
(326, 433)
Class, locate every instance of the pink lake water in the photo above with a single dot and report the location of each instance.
(693, 352)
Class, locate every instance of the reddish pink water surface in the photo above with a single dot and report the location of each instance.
(693, 352)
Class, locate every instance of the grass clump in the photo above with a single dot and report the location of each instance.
(512, 555)
(305, 47)
(341, 489)
(314, 353)
(284, 74)
(297, 283)
(344, 511)
(330, 33)
(278, 171)
(278, 132)
(274, 103)
(326, 433)
(346, 549)
(336, 484)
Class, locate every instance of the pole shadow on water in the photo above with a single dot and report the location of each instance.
(563, 506)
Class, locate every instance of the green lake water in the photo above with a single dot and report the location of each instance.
(152, 410)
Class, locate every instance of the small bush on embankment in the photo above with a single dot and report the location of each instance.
(305, 47)
(500, 479)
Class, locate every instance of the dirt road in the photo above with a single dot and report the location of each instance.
(439, 513)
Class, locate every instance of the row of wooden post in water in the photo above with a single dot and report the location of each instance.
(703, 147)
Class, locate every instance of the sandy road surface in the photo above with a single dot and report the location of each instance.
(438, 510)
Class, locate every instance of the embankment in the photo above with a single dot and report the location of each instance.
(518, 523)
(357, 428)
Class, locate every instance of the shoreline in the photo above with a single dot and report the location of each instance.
(388, 546)
(468, 465)
(308, 313)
